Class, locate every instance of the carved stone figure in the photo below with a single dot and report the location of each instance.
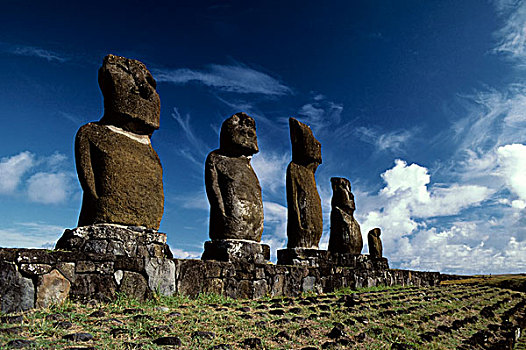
(118, 169)
(375, 243)
(305, 221)
(232, 187)
(345, 234)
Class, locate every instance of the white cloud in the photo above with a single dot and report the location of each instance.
(271, 169)
(232, 78)
(275, 228)
(48, 188)
(30, 235)
(183, 254)
(512, 166)
(12, 169)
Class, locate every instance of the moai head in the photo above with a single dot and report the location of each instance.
(130, 99)
(375, 232)
(238, 136)
(306, 150)
(342, 196)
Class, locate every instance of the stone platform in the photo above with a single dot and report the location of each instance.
(38, 277)
(130, 241)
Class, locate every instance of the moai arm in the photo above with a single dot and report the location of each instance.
(83, 162)
(213, 191)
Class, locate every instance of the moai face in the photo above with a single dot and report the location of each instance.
(342, 196)
(130, 99)
(238, 136)
(306, 150)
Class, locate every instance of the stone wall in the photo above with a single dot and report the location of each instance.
(37, 278)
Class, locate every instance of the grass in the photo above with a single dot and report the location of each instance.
(375, 318)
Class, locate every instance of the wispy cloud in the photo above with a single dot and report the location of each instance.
(32, 51)
(512, 36)
(321, 114)
(231, 78)
(30, 235)
(197, 150)
(393, 141)
(49, 188)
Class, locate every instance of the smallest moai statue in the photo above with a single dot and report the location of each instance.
(375, 243)
(345, 233)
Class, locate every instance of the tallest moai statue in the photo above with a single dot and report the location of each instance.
(118, 169)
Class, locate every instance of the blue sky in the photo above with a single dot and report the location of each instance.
(420, 104)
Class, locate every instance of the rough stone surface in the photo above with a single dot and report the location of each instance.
(52, 288)
(161, 275)
(109, 274)
(17, 293)
(119, 171)
(302, 256)
(235, 250)
(133, 285)
(115, 240)
(232, 187)
(375, 243)
(305, 221)
(345, 233)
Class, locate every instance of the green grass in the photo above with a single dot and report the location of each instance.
(383, 316)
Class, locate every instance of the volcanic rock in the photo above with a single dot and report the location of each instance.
(345, 234)
(232, 187)
(375, 243)
(305, 221)
(119, 171)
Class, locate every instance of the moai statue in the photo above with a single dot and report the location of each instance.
(234, 193)
(304, 220)
(119, 171)
(375, 243)
(345, 234)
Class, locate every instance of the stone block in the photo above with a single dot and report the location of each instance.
(260, 288)
(67, 269)
(277, 286)
(17, 293)
(230, 250)
(52, 288)
(85, 266)
(35, 269)
(161, 275)
(129, 264)
(133, 285)
(35, 256)
(93, 286)
(213, 285)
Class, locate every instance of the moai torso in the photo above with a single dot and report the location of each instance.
(232, 187)
(345, 234)
(119, 171)
(304, 221)
(122, 177)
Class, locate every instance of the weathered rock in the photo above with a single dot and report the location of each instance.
(232, 187)
(52, 288)
(116, 240)
(133, 285)
(17, 293)
(93, 286)
(375, 243)
(302, 256)
(345, 234)
(161, 275)
(235, 250)
(305, 221)
(118, 169)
